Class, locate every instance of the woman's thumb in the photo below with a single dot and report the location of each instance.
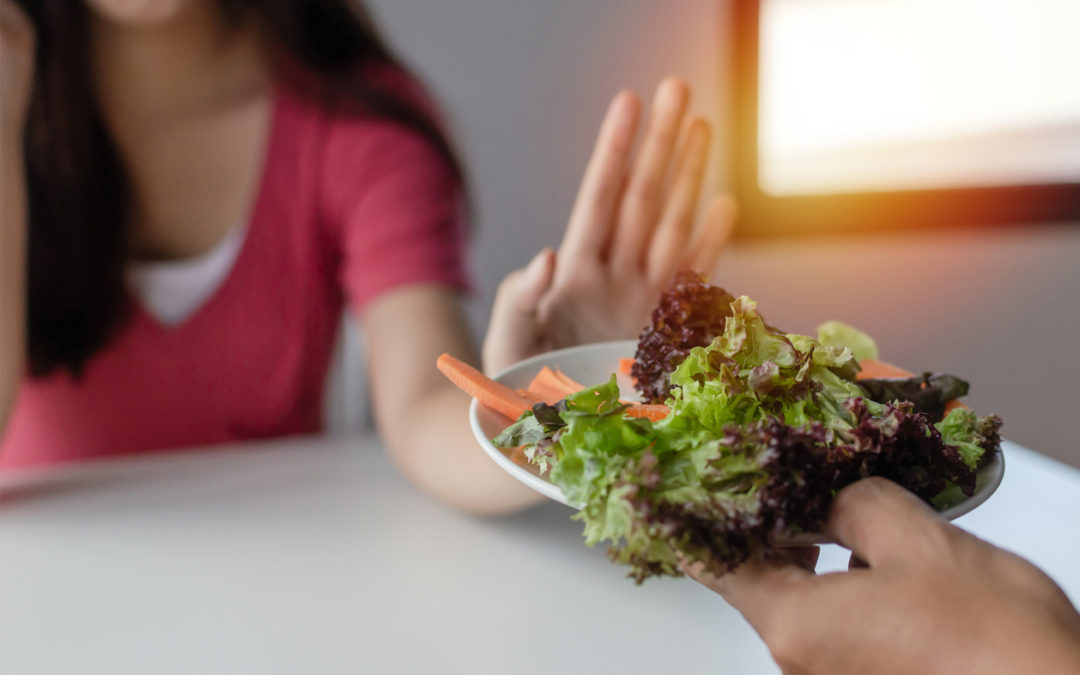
(514, 332)
(535, 280)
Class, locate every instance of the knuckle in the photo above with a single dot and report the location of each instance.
(786, 642)
(606, 194)
(681, 225)
(655, 275)
(846, 501)
(665, 131)
(626, 264)
(875, 485)
(619, 147)
(644, 193)
(940, 541)
(509, 284)
(660, 267)
(572, 286)
(721, 584)
(510, 280)
(695, 169)
(1025, 577)
(855, 499)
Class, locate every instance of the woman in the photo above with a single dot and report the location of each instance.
(281, 154)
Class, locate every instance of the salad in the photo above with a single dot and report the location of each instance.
(746, 434)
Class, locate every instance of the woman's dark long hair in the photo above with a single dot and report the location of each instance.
(79, 195)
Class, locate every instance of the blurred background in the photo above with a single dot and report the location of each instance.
(988, 99)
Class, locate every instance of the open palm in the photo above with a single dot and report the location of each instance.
(632, 227)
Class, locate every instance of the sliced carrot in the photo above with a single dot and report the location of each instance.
(952, 405)
(539, 393)
(531, 395)
(625, 364)
(570, 383)
(653, 411)
(876, 369)
(872, 369)
(544, 376)
(552, 386)
(487, 391)
(547, 386)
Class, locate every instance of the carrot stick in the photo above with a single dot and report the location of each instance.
(625, 364)
(653, 411)
(487, 391)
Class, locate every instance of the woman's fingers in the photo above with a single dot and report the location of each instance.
(671, 239)
(712, 235)
(641, 202)
(596, 205)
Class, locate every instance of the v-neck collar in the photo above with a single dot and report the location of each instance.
(270, 149)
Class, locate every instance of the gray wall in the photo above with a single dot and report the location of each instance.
(524, 83)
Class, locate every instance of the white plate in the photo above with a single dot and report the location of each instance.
(593, 364)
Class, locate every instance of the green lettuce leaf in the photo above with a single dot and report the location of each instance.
(526, 430)
(837, 334)
(971, 435)
(765, 427)
(752, 372)
(593, 447)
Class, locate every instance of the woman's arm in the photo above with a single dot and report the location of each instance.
(631, 228)
(12, 274)
(16, 71)
(422, 417)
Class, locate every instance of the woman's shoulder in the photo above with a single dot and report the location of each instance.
(369, 106)
(376, 143)
(357, 131)
(387, 198)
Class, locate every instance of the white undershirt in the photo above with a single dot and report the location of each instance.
(173, 290)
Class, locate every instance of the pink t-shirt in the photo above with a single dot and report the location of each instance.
(348, 208)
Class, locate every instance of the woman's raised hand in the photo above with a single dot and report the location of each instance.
(632, 227)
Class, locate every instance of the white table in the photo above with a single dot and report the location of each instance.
(314, 556)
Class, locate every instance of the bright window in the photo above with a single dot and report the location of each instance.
(868, 95)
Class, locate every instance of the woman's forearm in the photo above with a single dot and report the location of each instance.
(17, 46)
(436, 450)
(422, 418)
(13, 224)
